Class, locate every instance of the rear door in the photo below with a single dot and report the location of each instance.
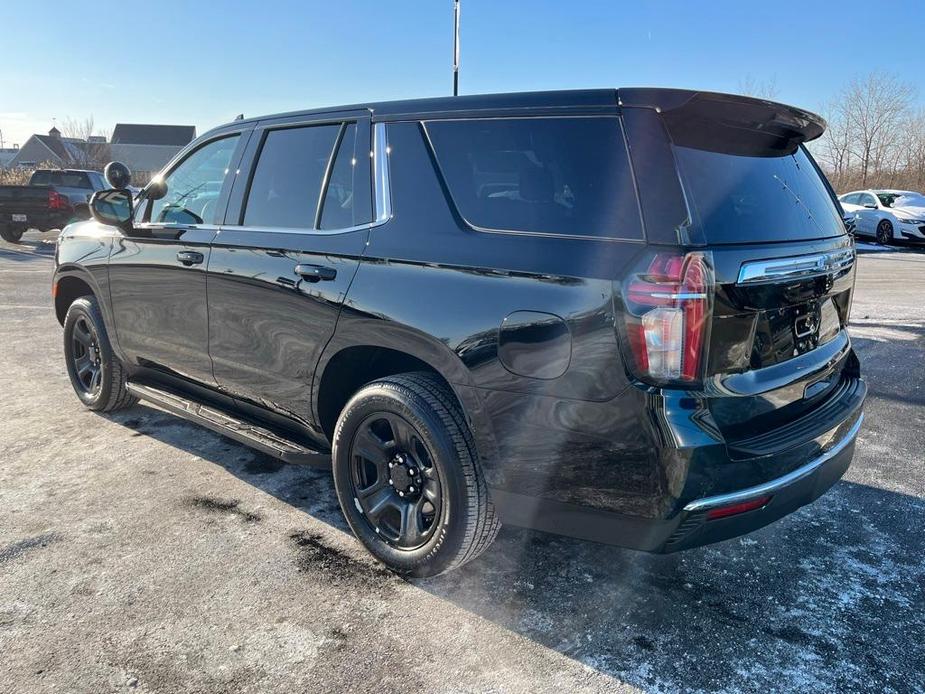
(282, 263)
(782, 263)
(157, 271)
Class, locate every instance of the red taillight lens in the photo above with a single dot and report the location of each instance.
(667, 317)
(56, 201)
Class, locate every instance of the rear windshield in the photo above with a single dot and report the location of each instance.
(568, 176)
(747, 199)
(63, 179)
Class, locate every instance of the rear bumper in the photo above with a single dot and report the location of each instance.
(691, 527)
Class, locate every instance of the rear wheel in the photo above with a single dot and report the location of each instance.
(884, 232)
(11, 234)
(96, 374)
(408, 477)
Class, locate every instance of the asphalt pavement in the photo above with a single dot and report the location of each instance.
(141, 553)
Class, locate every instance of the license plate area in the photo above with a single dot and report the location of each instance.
(20, 218)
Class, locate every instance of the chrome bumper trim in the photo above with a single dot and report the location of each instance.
(779, 483)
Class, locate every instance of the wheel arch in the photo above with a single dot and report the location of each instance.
(70, 285)
(346, 366)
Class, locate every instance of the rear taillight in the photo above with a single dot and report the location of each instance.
(667, 316)
(56, 201)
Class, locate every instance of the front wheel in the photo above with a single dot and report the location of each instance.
(884, 232)
(408, 477)
(96, 373)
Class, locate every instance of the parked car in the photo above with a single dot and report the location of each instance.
(887, 215)
(594, 313)
(52, 199)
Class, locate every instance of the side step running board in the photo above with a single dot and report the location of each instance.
(225, 424)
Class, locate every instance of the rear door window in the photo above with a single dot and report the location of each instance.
(563, 176)
(348, 193)
(286, 186)
(745, 199)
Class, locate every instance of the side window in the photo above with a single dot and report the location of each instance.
(286, 185)
(867, 199)
(40, 178)
(193, 188)
(347, 196)
(566, 176)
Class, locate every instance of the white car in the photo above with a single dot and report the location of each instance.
(887, 215)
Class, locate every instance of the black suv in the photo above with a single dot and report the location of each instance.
(617, 315)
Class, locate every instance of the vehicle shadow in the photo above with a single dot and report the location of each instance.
(832, 597)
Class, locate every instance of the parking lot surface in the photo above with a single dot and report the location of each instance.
(141, 553)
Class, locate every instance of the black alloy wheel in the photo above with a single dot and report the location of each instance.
(408, 476)
(884, 232)
(395, 482)
(97, 375)
(85, 357)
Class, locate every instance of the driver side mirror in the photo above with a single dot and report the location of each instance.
(113, 207)
(870, 206)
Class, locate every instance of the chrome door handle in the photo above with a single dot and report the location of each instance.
(189, 258)
(315, 273)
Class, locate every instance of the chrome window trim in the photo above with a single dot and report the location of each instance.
(797, 267)
(382, 184)
(781, 482)
(382, 189)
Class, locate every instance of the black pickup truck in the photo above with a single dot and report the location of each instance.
(52, 199)
(618, 315)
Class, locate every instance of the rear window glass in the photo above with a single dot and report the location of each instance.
(286, 186)
(70, 180)
(744, 199)
(347, 197)
(567, 176)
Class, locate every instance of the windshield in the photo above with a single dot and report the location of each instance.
(747, 199)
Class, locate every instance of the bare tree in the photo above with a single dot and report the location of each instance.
(875, 108)
(91, 149)
(874, 138)
(767, 89)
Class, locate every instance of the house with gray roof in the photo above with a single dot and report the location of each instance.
(144, 148)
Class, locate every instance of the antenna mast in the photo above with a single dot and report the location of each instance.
(455, 47)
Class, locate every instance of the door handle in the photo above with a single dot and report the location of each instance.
(315, 273)
(189, 258)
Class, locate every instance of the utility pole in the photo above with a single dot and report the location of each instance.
(455, 47)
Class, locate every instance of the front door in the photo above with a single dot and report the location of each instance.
(158, 271)
(280, 267)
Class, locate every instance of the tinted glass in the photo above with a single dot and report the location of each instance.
(548, 175)
(287, 182)
(67, 179)
(40, 178)
(347, 198)
(194, 186)
(867, 199)
(745, 199)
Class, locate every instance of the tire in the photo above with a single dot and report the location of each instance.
(885, 232)
(96, 374)
(410, 428)
(11, 234)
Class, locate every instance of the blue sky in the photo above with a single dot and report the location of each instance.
(203, 62)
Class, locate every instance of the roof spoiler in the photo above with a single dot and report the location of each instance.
(726, 122)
